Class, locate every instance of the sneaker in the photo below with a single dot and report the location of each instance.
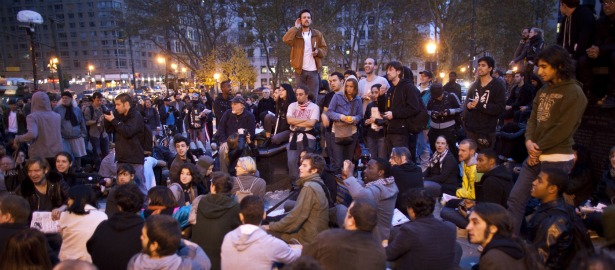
(609, 102)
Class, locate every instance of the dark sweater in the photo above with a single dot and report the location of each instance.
(343, 249)
(491, 103)
(576, 32)
(404, 102)
(446, 175)
(231, 122)
(407, 176)
(115, 241)
(494, 186)
(128, 132)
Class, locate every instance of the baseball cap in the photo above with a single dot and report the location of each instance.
(238, 100)
(427, 73)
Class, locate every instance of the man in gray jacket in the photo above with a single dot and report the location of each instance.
(249, 246)
(43, 129)
(379, 187)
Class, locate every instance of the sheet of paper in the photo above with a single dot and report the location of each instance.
(276, 213)
(399, 218)
(446, 198)
(42, 222)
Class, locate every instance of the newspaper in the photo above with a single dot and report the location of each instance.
(399, 218)
(590, 209)
(42, 221)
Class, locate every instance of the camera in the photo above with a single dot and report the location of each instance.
(106, 110)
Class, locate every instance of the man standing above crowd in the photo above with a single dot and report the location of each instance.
(485, 102)
(127, 123)
(576, 34)
(302, 116)
(556, 115)
(525, 36)
(308, 48)
(365, 85)
(403, 102)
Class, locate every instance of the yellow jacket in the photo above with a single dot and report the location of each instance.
(469, 177)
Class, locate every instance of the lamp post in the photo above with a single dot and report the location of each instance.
(431, 50)
(90, 69)
(216, 78)
(162, 60)
(53, 67)
(174, 67)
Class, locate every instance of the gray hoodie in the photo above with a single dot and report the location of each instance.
(143, 261)
(250, 247)
(43, 128)
(384, 193)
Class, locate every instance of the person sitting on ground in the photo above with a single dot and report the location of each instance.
(275, 122)
(78, 223)
(467, 157)
(249, 246)
(553, 227)
(491, 227)
(125, 175)
(235, 120)
(14, 214)
(426, 242)
(116, 240)
(12, 176)
(247, 180)
(161, 238)
(582, 183)
(64, 166)
(353, 247)
(26, 249)
(188, 184)
(184, 155)
(238, 146)
(213, 215)
(379, 187)
(603, 194)
(443, 167)
(160, 200)
(44, 189)
(494, 187)
(310, 215)
(406, 173)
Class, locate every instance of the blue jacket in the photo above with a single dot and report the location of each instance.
(340, 105)
(68, 130)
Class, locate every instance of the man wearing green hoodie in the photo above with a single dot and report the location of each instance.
(311, 212)
(556, 114)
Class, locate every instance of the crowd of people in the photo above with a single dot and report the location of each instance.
(183, 189)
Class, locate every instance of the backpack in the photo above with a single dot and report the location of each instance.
(242, 193)
(418, 122)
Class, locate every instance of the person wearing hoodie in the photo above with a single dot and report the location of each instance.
(249, 246)
(44, 130)
(469, 175)
(117, 239)
(352, 247)
(402, 103)
(379, 187)
(214, 215)
(406, 173)
(485, 102)
(491, 227)
(310, 215)
(556, 114)
(160, 239)
(73, 128)
(494, 187)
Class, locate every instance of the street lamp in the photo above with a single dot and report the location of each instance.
(90, 69)
(53, 67)
(442, 76)
(431, 49)
(28, 20)
(216, 78)
(463, 69)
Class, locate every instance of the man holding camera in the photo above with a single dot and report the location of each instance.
(443, 107)
(127, 123)
(94, 121)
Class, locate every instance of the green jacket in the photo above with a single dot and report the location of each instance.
(556, 114)
(309, 216)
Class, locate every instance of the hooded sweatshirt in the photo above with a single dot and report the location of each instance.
(404, 102)
(44, 128)
(384, 193)
(556, 115)
(143, 261)
(250, 247)
(216, 215)
(407, 176)
(469, 177)
(491, 103)
(502, 253)
(494, 186)
(118, 238)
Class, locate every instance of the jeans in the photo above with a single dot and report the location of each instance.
(341, 153)
(451, 214)
(396, 140)
(423, 152)
(520, 193)
(311, 80)
(376, 147)
(100, 149)
(293, 159)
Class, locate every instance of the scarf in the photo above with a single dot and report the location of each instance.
(187, 190)
(70, 115)
(436, 159)
(383, 181)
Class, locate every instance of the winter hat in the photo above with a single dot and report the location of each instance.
(204, 163)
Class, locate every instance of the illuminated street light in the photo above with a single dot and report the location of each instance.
(161, 60)
(431, 48)
(463, 69)
(442, 75)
